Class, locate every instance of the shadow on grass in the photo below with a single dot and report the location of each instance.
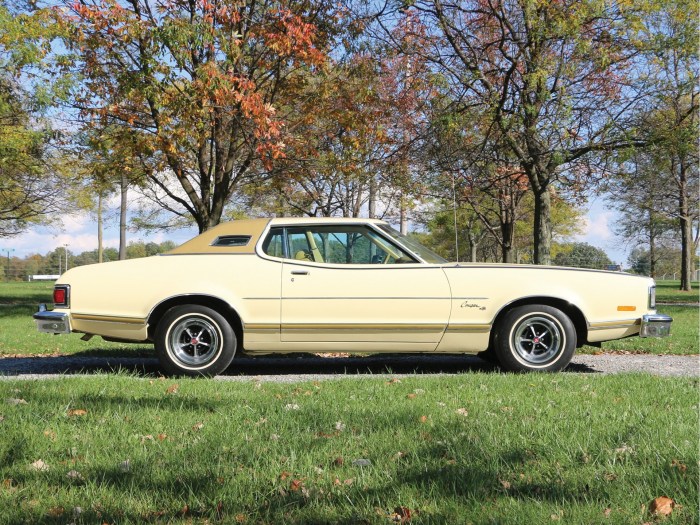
(95, 362)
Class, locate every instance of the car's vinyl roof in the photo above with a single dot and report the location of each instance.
(253, 228)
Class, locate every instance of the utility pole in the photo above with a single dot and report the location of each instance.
(65, 249)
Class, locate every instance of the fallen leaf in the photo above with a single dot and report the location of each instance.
(339, 426)
(240, 518)
(411, 396)
(338, 462)
(404, 514)
(40, 465)
(77, 412)
(680, 466)
(15, 401)
(504, 483)
(56, 512)
(662, 506)
(607, 512)
(74, 475)
(284, 475)
(624, 449)
(423, 419)
(173, 389)
(184, 511)
(162, 437)
(393, 381)
(198, 426)
(291, 406)
(50, 434)
(295, 485)
(349, 482)
(149, 437)
(361, 462)
(462, 411)
(220, 510)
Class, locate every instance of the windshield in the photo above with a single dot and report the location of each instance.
(421, 251)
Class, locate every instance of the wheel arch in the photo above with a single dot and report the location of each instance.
(210, 301)
(571, 310)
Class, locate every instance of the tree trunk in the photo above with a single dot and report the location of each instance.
(100, 249)
(372, 197)
(686, 229)
(507, 235)
(473, 245)
(652, 243)
(122, 217)
(403, 220)
(543, 226)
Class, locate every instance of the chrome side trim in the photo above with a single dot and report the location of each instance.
(108, 319)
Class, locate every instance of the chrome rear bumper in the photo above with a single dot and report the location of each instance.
(52, 322)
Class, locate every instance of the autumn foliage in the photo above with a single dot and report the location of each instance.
(198, 83)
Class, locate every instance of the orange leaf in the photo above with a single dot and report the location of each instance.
(423, 419)
(172, 389)
(662, 506)
(295, 485)
(411, 396)
(77, 412)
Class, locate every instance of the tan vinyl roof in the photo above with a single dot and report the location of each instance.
(203, 242)
(254, 228)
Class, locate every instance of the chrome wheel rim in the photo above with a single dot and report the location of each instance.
(537, 339)
(194, 341)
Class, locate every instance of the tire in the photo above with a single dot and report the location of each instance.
(194, 340)
(535, 338)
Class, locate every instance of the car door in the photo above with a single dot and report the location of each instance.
(348, 284)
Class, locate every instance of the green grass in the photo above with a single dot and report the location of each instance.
(668, 292)
(474, 448)
(18, 335)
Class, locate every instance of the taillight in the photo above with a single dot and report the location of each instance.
(61, 295)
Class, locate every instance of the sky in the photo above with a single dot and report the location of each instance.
(79, 232)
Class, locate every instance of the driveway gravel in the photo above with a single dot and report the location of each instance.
(313, 368)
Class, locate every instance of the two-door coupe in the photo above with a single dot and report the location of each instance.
(334, 285)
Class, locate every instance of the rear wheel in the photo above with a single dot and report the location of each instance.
(535, 338)
(194, 340)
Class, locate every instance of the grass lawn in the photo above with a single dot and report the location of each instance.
(668, 292)
(474, 448)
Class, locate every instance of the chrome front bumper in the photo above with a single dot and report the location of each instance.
(656, 325)
(52, 322)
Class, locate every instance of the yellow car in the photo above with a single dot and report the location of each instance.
(335, 285)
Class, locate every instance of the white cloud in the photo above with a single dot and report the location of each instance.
(597, 226)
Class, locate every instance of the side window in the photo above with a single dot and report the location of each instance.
(272, 245)
(342, 244)
(353, 245)
(299, 247)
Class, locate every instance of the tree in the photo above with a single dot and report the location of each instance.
(673, 122)
(30, 182)
(550, 80)
(197, 86)
(582, 255)
(640, 195)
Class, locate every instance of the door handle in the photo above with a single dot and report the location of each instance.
(300, 272)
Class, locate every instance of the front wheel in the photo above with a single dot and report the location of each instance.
(194, 340)
(535, 338)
